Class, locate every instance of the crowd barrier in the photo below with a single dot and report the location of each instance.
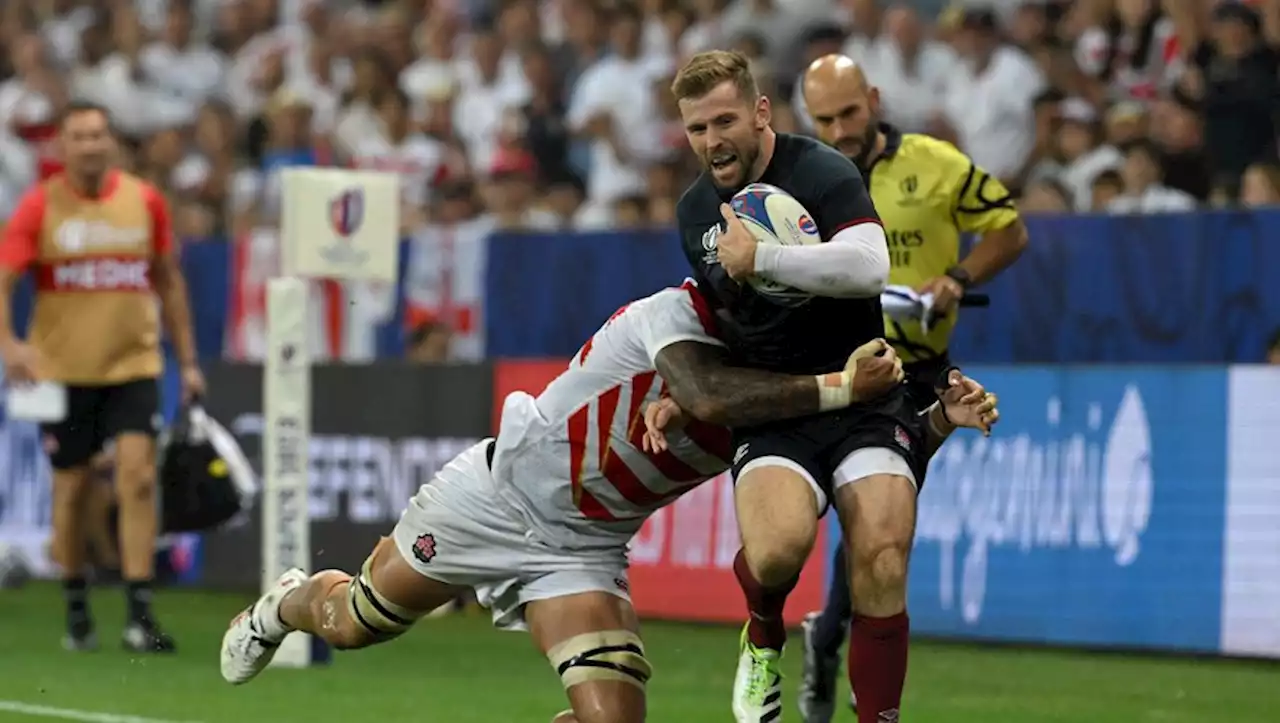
(1128, 506)
(1193, 288)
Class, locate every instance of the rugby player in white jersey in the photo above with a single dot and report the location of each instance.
(537, 521)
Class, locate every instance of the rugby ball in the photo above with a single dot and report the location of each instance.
(774, 216)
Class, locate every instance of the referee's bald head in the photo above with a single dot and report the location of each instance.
(844, 107)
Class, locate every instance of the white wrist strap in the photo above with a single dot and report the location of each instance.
(835, 390)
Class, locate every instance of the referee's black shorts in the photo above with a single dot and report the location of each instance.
(834, 448)
(97, 414)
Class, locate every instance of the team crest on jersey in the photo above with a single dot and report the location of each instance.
(424, 548)
(900, 436)
(742, 452)
(346, 212)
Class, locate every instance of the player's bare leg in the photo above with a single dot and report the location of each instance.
(592, 639)
(878, 515)
(347, 612)
(139, 527)
(777, 518)
(70, 549)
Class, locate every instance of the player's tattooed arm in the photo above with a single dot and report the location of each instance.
(702, 383)
(700, 380)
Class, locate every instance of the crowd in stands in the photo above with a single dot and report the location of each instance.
(555, 114)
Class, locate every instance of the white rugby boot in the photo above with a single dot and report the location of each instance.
(255, 634)
(757, 686)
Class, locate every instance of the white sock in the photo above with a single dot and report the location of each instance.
(266, 614)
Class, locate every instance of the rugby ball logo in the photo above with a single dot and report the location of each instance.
(807, 225)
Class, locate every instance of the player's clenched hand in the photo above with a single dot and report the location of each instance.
(21, 363)
(968, 404)
(946, 293)
(873, 370)
(735, 248)
(660, 416)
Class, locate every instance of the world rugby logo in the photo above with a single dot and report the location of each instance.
(346, 217)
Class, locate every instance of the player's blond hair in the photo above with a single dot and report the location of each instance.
(707, 70)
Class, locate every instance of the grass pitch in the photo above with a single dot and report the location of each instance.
(459, 670)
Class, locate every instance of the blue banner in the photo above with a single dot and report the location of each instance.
(1191, 288)
(1093, 516)
(1150, 289)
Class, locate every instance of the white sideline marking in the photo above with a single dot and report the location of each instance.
(85, 716)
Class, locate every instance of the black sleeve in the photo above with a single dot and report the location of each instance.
(841, 199)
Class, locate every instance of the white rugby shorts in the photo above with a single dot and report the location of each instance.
(458, 530)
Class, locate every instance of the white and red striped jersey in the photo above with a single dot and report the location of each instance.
(418, 159)
(571, 460)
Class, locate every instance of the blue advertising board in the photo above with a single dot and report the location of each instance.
(1193, 288)
(1092, 516)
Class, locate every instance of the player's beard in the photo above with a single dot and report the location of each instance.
(861, 156)
(744, 159)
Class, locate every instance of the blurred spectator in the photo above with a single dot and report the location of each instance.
(1131, 53)
(29, 106)
(1078, 156)
(357, 117)
(1107, 186)
(541, 120)
(1235, 74)
(428, 343)
(1046, 196)
(988, 105)
(611, 106)
(510, 193)
(1273, 348)
(444, 282)
(1144, 190)
(910, 69)
(1175, 125)
(398, 148)
(486, 90)
(564, 197)
(1261, 186)
(631, 213)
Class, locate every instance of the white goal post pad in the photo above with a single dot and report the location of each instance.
(339, 224)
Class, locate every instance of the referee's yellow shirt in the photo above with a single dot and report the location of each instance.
(927, 194)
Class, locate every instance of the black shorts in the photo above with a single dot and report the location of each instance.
(819, 443)
(98, 414)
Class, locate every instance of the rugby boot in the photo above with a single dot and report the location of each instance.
(255, 634)
(757, 686)
(818, 686)
(80, 636)
(146, 636)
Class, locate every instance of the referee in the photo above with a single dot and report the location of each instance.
(927, 194)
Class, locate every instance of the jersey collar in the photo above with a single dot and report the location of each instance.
(892, 142)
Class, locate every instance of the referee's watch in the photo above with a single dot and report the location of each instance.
(960, 276)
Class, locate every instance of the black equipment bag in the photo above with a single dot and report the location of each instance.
(202, 475)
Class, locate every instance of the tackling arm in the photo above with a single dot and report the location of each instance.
(700, 381)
